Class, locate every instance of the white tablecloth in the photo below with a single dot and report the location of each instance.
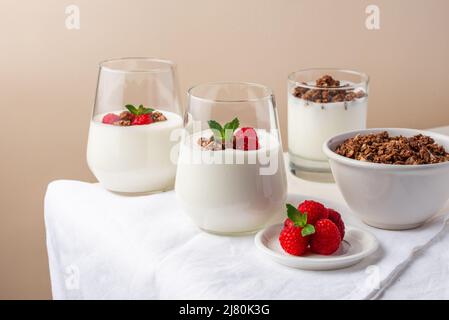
(104, 246)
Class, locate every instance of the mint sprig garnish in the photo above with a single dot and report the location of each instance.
(229, 129)
(224, 133)
(216, 128)
(138, 111)
(300, 220)
(307, 230)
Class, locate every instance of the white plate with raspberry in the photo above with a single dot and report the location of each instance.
(314, 237)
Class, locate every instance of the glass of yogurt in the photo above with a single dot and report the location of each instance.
(136, 110)
(321, 104)
(231, 176)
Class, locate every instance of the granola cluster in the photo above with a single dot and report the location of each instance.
(210, 144)
(335, 93)
(158, 116)
(381, 148)
(125, 119)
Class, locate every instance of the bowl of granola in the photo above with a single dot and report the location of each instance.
(393, 178)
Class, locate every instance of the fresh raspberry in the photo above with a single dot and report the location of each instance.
(246, 139)
(142, 119)
(288, 223)
(295, 235)
(314, 210)
(292, 241)
(110, 118)
(326, 238)
(335, 217)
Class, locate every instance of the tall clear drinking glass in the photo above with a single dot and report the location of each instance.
(136, 109)
(231, 176)
(321, 104)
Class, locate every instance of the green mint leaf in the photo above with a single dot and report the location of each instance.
(215, 125)
(303, 218)
(294, 215)
(143, 110)
(229, 129)
(232, 125)
(131, 109)
(217, 129)
(146, 110)
(307, 230)
(298, 218)
(291, 210)
(228, 135)
(138, 111)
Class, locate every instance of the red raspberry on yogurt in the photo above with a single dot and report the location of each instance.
(246, 139)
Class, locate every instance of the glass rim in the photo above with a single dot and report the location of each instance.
(365, 78)
(103, 64)
(268, 91)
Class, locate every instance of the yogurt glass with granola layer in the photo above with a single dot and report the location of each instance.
(322, 103)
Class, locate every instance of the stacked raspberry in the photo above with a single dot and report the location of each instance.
(312, 227)
(134, 116)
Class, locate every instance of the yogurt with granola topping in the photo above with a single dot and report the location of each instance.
(314, 115)
(231, 191)
(133, 158)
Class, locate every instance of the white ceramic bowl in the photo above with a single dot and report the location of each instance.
(390, 196)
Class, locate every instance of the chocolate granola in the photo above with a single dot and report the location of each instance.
(214, 145)
(381, 148)
(335, 93)
(125, 119)
(158, 116)
(210, 144)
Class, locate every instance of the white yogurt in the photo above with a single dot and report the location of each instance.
(133, 159)
(310, 124)
(232, 197)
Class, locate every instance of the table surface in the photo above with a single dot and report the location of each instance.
(436, 285)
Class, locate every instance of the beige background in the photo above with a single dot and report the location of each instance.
(48, 76)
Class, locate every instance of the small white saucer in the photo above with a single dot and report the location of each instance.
(356, 245)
